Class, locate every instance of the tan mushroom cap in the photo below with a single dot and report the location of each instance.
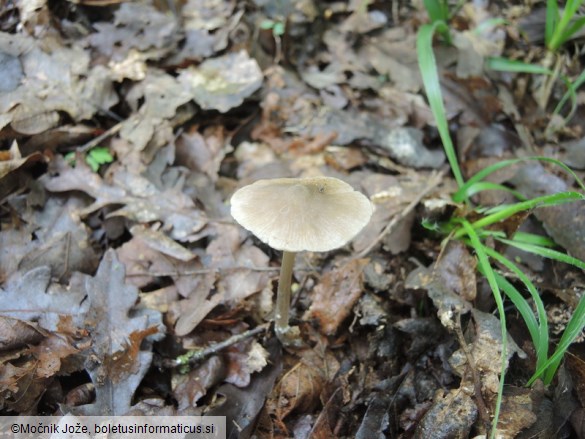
(297, 214)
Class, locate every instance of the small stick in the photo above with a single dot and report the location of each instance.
(206, 271)
(482, 408)
(199, 355)
(99, 139)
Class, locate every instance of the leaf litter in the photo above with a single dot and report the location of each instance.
(117, 273)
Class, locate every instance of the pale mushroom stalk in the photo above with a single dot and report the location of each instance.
(283, 295)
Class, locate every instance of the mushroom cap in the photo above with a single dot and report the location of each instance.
(296, 214)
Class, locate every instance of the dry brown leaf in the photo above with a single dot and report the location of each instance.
(202, 153)
(516, 412)
(136, 25)
(242, 365)
(300, 389)
(13, 160)
(142, 200)
(20, 387)
(565, 222)
(451, 415)
(485, 349)
(456, 270)
(189, 388)
(120, 353)
(50, 353)
(57, 78)
(336, 294)
(15, 334)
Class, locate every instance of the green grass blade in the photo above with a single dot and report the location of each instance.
(573, 28)
(571, 93)
(428, 68)
(481, 186)
(573, 329)
(485, 267)
(459, 196)
(538, 330)
(531, 238)
(525, 311)
(545, 252)
(552, 18)
(559, 36)
(503, 212)
(437, 10)
(514, 66)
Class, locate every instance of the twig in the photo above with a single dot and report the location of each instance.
(99, 139)
(67, 252)
(483, 411)
(434, 179)
(199, 355)
(205, 271)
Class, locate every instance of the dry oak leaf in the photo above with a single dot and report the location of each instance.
(122, 338)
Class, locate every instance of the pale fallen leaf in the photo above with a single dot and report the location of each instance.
(56, 78)
(222, 83)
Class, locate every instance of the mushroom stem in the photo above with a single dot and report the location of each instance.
(283, 294)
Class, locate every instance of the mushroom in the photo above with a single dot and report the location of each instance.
(295, 214)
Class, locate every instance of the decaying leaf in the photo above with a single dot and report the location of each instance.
(30, 296)
(15, 160)
(395, 55)
(135, 26)
(242, 365)
(162, 243)
(238, 281)
(517, 411)
(15, 171)
(207, 29)
(161, 95)
(242, 406)
(56, 78)
(565, 222)
(448, 303)
(300, 388)
(118, 361)
(17, 333)
(223, 83)
(486, 350)
(390, 196)
(456, 270)
(50, 354)
(189, 388)
(20, 387)
(451, 415)
(336, 294)
(203, 153)
(58, 239)
(142, 200)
